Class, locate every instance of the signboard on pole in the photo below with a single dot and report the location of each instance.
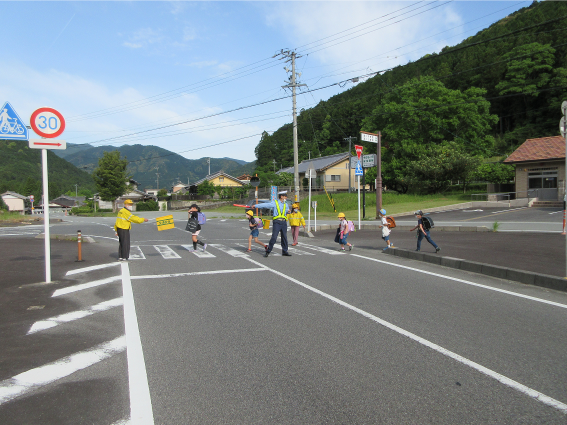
(47, 144)
(368, 137)
(358, 150)
(274, 193)
(562, 127)
(11, 125)
(358, 171)
(369, 160)
(47, 122)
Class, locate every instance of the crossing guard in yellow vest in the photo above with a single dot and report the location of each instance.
(122, 228)
(280, 211)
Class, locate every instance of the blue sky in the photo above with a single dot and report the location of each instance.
(119, 70)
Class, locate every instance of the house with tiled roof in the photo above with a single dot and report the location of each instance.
(540, 168)
(14, 201)
(332, 171)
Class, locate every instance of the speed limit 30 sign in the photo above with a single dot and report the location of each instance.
(47, 122)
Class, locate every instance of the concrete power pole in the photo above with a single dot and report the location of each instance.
(291, 56)
(76, 192)
(209, 162)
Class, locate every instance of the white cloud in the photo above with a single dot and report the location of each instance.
(27, 89)
(345, 39)
(132, 45)
(203, 64)
(189, 34)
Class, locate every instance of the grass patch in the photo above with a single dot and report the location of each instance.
(103, 214)
(7, 218)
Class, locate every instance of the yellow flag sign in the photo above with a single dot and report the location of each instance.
(165, 222)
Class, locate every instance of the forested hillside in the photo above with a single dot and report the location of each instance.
(146, 161)
(485, 95)
(20, 171)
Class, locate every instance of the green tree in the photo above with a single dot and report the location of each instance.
(3, 206)
(530, 71)
(421, 114)
(110, 176)
(161, 193)
(206, 188)
(444, 164)
(495, 172)
(285, 179)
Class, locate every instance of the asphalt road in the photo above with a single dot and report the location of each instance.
(229, 337)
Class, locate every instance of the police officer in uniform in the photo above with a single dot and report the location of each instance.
(122, 229)
(280, 210)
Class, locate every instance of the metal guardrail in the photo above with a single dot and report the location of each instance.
(506, 196)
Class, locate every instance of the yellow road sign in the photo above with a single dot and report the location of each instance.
(165, 222)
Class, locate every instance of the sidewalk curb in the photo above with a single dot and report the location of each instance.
(437, 228)
(521, 276)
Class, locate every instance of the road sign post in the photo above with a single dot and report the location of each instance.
(314, 206)
(48, 123)
(11, 125)
(358, 172)
(376, 138)
(310, 174)
(563, 128)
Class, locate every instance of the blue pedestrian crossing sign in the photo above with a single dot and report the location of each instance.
(358, 170)
(11, 125)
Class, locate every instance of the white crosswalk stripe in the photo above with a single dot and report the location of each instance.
(198, 252)
(321, 249)
(293, 250)
(227, 250)
(136, 253)
(166, 252)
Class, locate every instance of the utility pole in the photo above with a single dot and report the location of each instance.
(209, 162)
(349, 139)
(157, 174)
(274, 162)
(76, 193)
(291, 56)
(309, 155)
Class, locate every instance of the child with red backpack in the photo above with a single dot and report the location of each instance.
(253, 223)
(386, 228)
(345, 227)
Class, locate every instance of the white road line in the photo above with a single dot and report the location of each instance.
(103, 237)
(32, 379)
(321, 249)
(136, 253)
(73, 315)
(223, 220)
(511, 209)
(166, 252)
(198, 252)
(484, 370)
(170, 275)
(141, 411)
(555, 212)
(91, 268)
(70, 289)
(227, 250)
(293, 250)
(17, 234)
(467, 282)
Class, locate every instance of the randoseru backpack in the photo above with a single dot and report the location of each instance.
(391, 222)
(350, 227)
(427, 222)
(192, 225)
(259, 222)
(201, 218)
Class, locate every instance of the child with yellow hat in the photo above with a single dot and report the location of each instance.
(254, 232)
(295, 219)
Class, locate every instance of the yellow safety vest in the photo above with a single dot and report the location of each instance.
(125, 218)
(280, 212)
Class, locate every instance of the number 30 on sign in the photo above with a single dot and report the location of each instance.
(47, 122)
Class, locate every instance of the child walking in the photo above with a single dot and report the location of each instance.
(343, 233)
(385, 229)
(254, 232)
(194, 211)
(295, 219)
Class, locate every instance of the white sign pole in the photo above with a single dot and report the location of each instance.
(47, 243)
(309, 208)
(359, 202)
(315, 227)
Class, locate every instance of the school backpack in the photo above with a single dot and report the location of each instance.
(427, 222)
(201, 218)
(259, 222)
(350, 227)
(391, 222)
(192, 225)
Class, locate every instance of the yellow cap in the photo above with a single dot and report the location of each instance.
(341, 215)
(250, 213)
(295, 205)
(128, 201)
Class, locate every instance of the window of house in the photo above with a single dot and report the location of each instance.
(221, 179)
(333, 178)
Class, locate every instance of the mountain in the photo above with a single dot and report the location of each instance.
(20, 171)
(520, 62)
(148, 161)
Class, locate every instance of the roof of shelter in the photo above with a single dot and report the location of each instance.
(214, 176)
(543, 148)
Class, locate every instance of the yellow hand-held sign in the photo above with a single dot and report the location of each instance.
(165, 222)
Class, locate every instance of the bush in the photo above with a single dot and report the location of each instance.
(150, 205)
(81, 210)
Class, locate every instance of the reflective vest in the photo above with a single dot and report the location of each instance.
(125, 218)
(280, 212)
